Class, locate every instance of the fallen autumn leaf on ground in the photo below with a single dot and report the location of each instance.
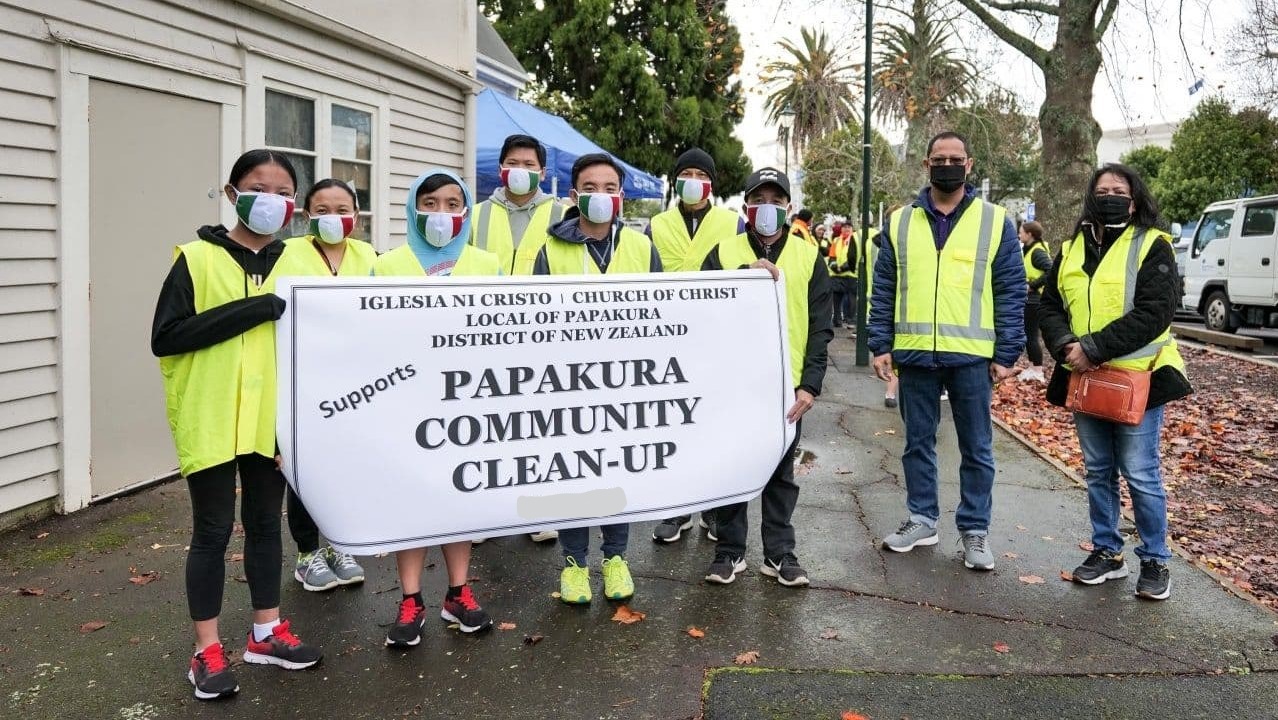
(829, 634)
(849, 715)
(749, 657)
(1067, 576)
(92, 626)
(696, 632)
(32, 591)
(1002, 647)
(533, 639)
(144, 578)
(507, 626)
(1030, 579)
(626, 616)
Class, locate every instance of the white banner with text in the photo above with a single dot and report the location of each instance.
(418, 411)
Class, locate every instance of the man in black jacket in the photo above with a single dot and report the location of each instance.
(767, 243)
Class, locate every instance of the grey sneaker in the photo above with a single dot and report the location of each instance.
(671, 529)
(343, 565)
(976, 552)
(313, 572)
(708, 526)
(910, 535)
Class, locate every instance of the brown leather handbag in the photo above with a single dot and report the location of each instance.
(1111, 393)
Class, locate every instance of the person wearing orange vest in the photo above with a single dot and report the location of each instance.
(214, 332)
(801, 225)
(1109, 299)
(768, 242)
(513, 221)
(438, 211)
(948, 311)
(592, 241)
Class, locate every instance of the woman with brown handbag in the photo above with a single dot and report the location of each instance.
(1109, 301)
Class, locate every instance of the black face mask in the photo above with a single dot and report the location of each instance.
(947, 178)
(1114, 209)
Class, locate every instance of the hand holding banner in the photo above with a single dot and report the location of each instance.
(414, 412)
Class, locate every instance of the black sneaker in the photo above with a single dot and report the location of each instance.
(407, 630)
(1100, 566)
(671, 529)
(724, 569)
(282, 649)
(466, 612)
(786, 570)
(1155, 581)
(707, 523)
(210, 674)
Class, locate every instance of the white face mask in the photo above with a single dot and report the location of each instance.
(766, 218)
(520, 181)
(440, 228)
(332, 229)
(263, 213)
(599, 207)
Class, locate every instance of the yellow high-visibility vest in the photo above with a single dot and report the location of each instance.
(1032, 273)
(357, 261)
(945, 299)
(797, 261)
(491, 232)
(843, 253)
(1096, 301)
(678, 251)
(220, 399)
(632, 254)
(401, 262)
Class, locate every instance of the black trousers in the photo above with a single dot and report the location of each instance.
(213, 517)
(1033, 343)
(780, 496)
(300, 525)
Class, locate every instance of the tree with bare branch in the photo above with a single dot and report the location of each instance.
(1069, 129)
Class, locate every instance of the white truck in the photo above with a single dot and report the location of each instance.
(1231, 271)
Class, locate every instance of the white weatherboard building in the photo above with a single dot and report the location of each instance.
(119, 122)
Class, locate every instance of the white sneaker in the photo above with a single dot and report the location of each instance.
(544, 536)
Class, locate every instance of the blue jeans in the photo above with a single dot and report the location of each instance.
(1110, 450)
(971, 390)
(576, 542)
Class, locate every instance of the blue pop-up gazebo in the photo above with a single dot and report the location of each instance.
(501, 116)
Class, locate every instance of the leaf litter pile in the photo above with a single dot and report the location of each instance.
(1219, 458)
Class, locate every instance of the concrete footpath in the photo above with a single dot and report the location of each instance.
(879, 634)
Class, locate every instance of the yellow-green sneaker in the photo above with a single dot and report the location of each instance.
(574, 584)
(618, 584)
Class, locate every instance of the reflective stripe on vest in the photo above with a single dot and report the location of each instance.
(515, 260)
(631, 254)
(678, 251)
(1094, 302)
(220, 399)
(357, 261)
(954, 310)
(402, 262)
(797, 260)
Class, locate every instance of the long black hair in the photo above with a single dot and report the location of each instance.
(253, 158)
(1146, 208)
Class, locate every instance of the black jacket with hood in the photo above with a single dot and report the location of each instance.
(1154, 306)
(178, 329)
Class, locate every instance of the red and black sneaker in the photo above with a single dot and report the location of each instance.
(210, 674)
(282, 648)
(466, 612)
(407, 630)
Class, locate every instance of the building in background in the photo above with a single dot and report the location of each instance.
(498, 67)
(1116, 143)
(118, 129)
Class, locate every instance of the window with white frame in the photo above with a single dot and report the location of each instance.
(323, 137)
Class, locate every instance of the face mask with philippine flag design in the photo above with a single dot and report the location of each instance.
(519, 180)
(439, 228)
(599, 207)
(263, 213)
(766, 219)
(692, 191)
(332, 229)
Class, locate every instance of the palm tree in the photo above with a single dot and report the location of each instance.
(918, 78)
(815, 84)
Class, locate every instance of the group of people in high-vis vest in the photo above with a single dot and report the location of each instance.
(214, 334)
(948, 314)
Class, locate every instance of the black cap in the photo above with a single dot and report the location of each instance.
(699, 159)
(767, 176)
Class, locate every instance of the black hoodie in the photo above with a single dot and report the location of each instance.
(178, 329)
